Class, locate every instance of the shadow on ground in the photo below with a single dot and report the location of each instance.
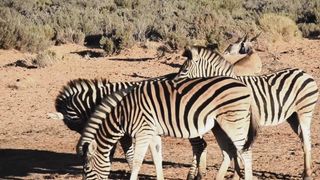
(21, 162)
(263, 175)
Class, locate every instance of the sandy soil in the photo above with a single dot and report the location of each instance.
(34, 147)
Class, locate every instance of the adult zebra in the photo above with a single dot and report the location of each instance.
(78, 100)
(287, 95)
(184, 109)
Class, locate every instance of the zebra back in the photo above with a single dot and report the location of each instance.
(78, 99)
(276, 96)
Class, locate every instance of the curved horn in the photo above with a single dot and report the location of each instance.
(255, 38)
(245, 37)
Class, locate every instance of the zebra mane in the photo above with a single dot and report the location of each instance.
(203, 51)
(107, 106)
(219, 64)
(66, 95)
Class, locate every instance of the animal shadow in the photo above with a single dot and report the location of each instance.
(21, 162)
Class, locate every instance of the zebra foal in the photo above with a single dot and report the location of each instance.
(286, 95)
(185, 109)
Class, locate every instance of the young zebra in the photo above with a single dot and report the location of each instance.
(184, 109)
(287, 95)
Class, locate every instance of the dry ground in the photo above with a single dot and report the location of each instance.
(34, 147)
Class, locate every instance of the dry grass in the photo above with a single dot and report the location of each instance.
(45, 58)
(279, 28)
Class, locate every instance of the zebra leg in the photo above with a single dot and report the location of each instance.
(237, 173)
(246, 157)
(141, 147)
(199, 148)
(305, 124)
(127, 146)
(301, 126)
(224, 165)
(228, 151)
(156, 151)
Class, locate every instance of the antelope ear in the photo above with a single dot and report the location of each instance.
(187, 52)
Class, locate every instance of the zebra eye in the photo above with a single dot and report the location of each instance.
(184, 71)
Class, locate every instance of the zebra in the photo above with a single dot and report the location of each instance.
(78, 99)
(286, 95)
(187, 108)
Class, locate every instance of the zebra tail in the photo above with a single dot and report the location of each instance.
(253, 130)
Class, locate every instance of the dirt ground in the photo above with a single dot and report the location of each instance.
(35, 147)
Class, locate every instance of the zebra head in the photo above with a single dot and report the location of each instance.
(203, 62)
(92, 159)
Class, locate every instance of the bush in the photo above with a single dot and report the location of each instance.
(279, 27)
(17, 33)
(45, 58)
(310, 30)
(32, 24)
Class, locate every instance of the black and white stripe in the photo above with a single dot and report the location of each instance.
(287, 95)
(186, 109)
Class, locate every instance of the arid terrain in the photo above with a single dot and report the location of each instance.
(35, 147)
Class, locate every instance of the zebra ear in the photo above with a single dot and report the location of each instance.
(212, 46)
(84, 149)
(187, 52)
(92, 147)
(87, 148)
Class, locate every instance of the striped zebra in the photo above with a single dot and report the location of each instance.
(185, 109)
(286, 95)
(77, 101)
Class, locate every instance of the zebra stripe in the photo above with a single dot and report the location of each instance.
(286, 95)
(79, 98)
(153, 108)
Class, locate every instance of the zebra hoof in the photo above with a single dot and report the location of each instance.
(190, 177)
(307, 178)
(200, 176)
(307, 175)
